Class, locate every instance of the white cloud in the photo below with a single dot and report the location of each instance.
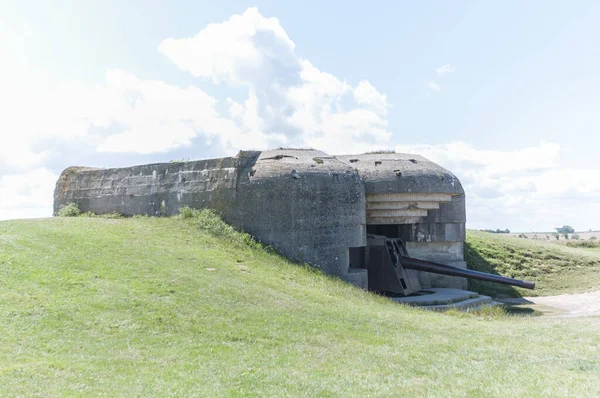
(521, 189)
(290, 101)
(433, 86)
(366, 94)
(445, 70)
(27, 195)
(27, 31)
(156, 117)
(246, 49)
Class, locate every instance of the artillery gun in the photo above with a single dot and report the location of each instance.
(393, 272)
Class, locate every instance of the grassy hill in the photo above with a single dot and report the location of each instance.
(555, 268)
(187, 307)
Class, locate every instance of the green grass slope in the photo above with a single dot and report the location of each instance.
(165, 307)
(556, 269)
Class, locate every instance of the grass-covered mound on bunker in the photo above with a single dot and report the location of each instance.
(555, 268)
(189, 307)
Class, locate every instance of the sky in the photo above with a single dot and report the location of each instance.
(506, 95)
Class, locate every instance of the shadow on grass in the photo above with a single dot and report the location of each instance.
(476, 262)
(518, 310)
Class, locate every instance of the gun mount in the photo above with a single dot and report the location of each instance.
(392, 271)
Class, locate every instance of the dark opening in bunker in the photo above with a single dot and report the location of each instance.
(401, 231)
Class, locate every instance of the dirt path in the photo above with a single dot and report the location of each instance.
(569, 305)
(583, 304)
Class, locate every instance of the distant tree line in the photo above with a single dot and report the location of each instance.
(497, 231)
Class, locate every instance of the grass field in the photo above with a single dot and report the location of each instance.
(555, 268)
(594, 250)
(165, 307)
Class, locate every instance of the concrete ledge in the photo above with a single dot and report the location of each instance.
(466, 305)
(436, 296)
(442, 299)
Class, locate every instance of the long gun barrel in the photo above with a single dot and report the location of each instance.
(428, 266)
(392, 271)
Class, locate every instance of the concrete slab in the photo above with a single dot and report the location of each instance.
(436, 296)
(465, 305)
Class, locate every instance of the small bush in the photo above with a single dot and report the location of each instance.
(211, 222)
(593, 238)
(575, 237)
(188, 212)
(318, 160)
(69, 210)
(584, 243)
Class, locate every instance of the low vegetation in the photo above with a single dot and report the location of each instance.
(497, 231)
(590, 244)
(555, 268)
(69, 210)
(186, 306)
(380, 152)
(72, 210)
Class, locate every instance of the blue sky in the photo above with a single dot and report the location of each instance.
(506, 95)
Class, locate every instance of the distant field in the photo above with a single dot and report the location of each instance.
(548, 235)
(555, 268)
(172, 307)
(595, 250)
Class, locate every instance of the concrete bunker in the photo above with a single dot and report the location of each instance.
(356, 216)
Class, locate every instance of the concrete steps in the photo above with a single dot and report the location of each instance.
(442, 299)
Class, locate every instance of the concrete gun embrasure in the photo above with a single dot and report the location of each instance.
(392, 271)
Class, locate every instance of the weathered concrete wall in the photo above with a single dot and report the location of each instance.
(439, 235)
(311, 206)
(308, 205)
(153, 189)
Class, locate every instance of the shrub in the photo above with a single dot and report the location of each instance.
(575, 237)
(584, 243)
(210, 221)
(593, 238)
(69, 210)
(188, 212)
